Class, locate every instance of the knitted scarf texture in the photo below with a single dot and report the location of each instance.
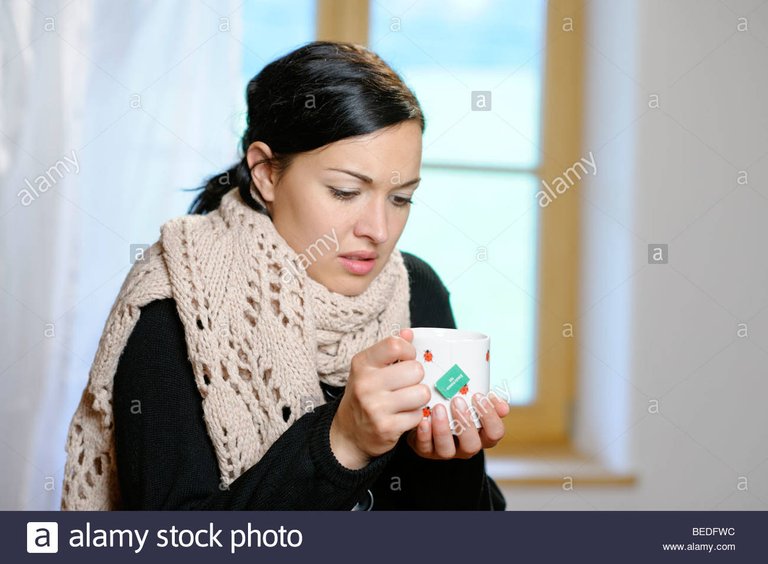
(261, 335)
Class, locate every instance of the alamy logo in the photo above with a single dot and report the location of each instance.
(42, 537)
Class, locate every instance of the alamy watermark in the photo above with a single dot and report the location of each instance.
(309, 255)
(49, 178)
(562, 183)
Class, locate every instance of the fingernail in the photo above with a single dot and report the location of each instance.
(439, 412)
(460, 403)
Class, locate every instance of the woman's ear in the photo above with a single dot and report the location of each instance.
(263, 174)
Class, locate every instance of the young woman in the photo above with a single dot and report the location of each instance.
(259, 357)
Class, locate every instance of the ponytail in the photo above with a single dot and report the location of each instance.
(238, 176)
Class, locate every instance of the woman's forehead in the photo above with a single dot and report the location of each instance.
(397, 148)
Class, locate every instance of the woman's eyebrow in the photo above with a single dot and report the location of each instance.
(369, 180)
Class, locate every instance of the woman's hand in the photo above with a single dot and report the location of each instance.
(383, 399)
(433, 438)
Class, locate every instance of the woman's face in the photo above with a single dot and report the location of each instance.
(351, 196)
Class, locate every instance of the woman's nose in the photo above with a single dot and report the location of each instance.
(373, 222)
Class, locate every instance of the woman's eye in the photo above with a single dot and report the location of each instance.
(401, 201)
(346, 195)
(341, 194)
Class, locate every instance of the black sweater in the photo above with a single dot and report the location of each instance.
(166, 460)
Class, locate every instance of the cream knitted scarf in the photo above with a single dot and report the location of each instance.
(261, 335)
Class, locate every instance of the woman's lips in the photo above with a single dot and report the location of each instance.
(358, 267)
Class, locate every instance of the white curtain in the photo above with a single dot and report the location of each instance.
(107, 111)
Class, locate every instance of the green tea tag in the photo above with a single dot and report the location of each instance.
(451, 382)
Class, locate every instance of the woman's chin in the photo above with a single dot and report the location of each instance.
(341, 282)
(351, 286)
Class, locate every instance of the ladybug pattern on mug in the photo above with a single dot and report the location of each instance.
(454, 380)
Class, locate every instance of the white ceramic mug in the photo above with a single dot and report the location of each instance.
(456, 362)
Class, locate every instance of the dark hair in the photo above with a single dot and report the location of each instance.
(320, 93)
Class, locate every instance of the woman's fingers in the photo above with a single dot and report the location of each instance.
(502, 407)
(441, 433)
(401, 375)
(433, 437)
(408, 399)
(493, 427)
(386, 352)
(422, 440)
(469, 439)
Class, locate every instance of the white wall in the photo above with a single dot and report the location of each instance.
(668, 333)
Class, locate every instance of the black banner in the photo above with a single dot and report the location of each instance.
(387, 537)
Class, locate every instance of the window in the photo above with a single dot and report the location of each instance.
(270, 30)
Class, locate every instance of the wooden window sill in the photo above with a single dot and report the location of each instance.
(552, 466)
